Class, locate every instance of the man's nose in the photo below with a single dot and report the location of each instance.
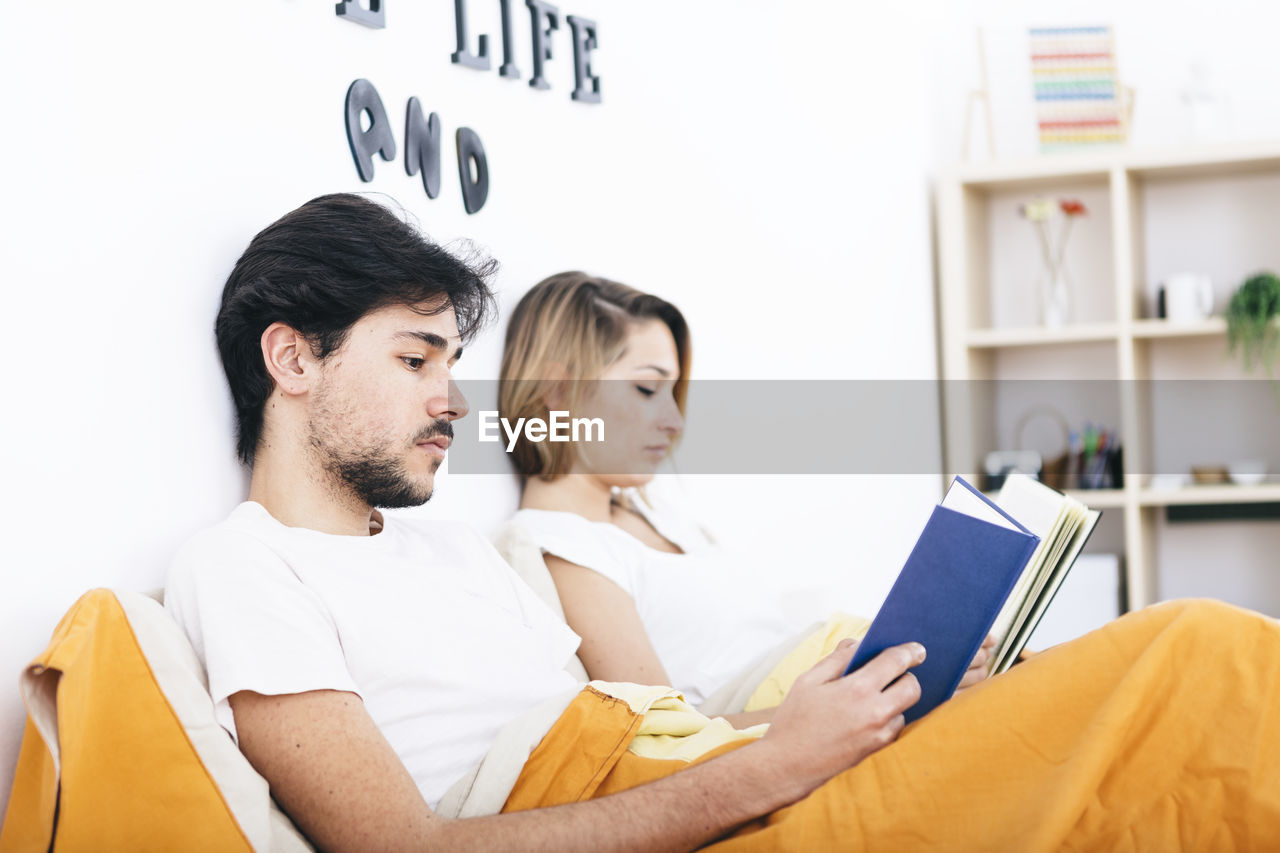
(450, 405)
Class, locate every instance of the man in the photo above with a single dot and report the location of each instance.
(365, 664)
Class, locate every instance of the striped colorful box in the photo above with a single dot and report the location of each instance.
(1078, 98)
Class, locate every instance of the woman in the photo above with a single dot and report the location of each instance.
(653, 598)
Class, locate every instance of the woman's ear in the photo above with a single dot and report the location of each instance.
(288, 358)
(555, 378)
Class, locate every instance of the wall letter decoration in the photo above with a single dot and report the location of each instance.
(362, 98)
(508, 67)
(584, 41)
(538, 12)
(374, 16)
(463, 55)
(422, 147)
(470, 149)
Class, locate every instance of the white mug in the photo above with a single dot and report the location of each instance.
(1188, 297)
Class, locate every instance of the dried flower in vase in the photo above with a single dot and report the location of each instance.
(1038, 210)
(1055, 292)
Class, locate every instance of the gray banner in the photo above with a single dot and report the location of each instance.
(810, 427)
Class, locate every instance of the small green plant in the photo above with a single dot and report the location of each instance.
(1250, 321)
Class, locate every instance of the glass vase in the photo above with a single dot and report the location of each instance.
(1055, 296)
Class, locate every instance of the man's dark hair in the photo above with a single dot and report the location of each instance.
(319, 269)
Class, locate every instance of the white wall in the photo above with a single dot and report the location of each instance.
(1164, 49)
(762, 165)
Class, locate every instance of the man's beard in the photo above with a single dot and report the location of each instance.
(377, 479)
(374, 475)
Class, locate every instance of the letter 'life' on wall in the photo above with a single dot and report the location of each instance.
(368, 125)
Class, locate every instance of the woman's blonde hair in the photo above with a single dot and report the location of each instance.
(572, 326)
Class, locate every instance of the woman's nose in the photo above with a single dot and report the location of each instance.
(671, 420)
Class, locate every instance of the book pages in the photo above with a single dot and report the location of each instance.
(1035, 607)
(1063, 524)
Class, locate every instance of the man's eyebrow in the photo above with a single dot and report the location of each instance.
(430, 339)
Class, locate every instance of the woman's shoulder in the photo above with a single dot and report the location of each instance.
(591, 544)
(549, 524)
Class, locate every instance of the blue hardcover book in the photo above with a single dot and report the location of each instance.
(953, 586)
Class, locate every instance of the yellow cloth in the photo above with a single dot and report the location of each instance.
(130, 777)
(813, 648)
(588, 753)
(1160, 731)
(671, 728)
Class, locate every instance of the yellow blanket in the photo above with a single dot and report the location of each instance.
(1159, 732)
(770, 692)
(122, 750)
(112, 767)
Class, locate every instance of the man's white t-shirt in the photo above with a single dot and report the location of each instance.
(424, 621)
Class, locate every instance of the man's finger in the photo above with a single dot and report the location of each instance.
(903, 693)
(833, 665)
(891, 663)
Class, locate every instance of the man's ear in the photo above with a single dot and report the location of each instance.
(287, 355)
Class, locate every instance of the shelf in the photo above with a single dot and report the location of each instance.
(1151, 213)
(1214, 160)
(1166, 329)
(1151, 329)
(1172, 161)
(1213, 326)
(1034, 336)
(1224, 494)
(1035, 172)
(1099, 498)
(1188, 495)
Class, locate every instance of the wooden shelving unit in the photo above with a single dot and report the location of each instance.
(1149, 329)
(989, 330)
(1030, 336)
(1226, 494)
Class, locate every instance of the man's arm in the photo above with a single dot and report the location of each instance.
(331, 769)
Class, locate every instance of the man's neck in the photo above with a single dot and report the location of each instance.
(298, 496)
